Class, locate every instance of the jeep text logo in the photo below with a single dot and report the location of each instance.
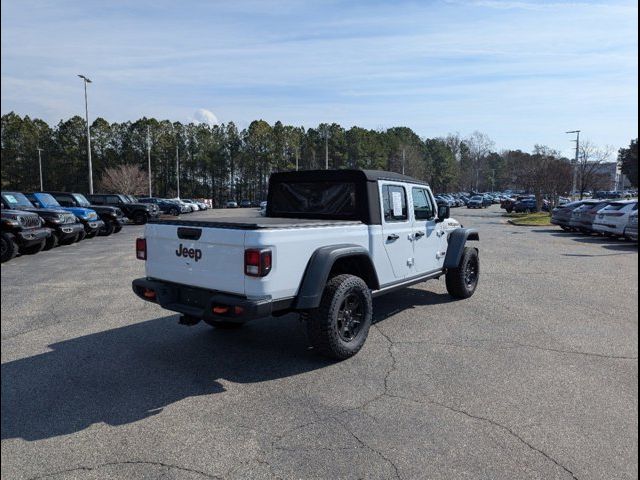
(194, 253)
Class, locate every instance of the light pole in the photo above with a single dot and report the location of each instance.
(40, 167)
(149, 157)
(86, 111)
(326, 147)
(177, 172)
(403, 160)
(575, 162)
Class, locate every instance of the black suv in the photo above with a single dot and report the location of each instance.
(165, 206)
(112, 217)
(65, 225)
(138, 213)
(22, 232)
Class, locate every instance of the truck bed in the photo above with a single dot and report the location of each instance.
(257, 223)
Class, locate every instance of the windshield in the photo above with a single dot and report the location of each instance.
(48, 200)
(82, 200)
(124, 199)
(15, 199)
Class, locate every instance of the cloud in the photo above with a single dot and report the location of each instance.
(202, 115)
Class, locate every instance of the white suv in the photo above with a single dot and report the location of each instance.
(613, 219)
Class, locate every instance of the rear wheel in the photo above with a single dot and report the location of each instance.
(9, 248)
(462, 281)
(33, 249)
(339, 327)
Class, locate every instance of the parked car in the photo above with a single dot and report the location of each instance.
(613, 219)
(561, 215)
(315, 253)
(194, 206)
(582, 217)
(137, 212)
(22, 232)
(166, 206)
(528, 205)
(112, 217)
(231, 204)
(88, 217)
(64, 225)
(477, 201)
(245, 203)
(184, 206)
(631, 230)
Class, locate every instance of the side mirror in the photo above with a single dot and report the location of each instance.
(444, 212)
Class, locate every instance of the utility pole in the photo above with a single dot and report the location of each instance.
(177, 171)
(86, 111)
(149, 157)
(575, 162)
(326, 147)
(403, 159)
(40, 166)
(297, 158)
(493, 180)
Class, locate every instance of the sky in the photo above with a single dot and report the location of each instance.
(521, 71)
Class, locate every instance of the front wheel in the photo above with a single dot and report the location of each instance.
(107, 229)
(9, 248)
(52, 241)
(33, 249)
(463, 280)
(81, 236)
(140, 218)
(69, 240)
(339, 327)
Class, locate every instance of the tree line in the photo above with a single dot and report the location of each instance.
(221, 162)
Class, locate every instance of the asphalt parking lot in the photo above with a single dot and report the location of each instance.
(535, 376)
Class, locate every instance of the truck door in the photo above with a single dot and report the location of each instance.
(427, 234)
(397, 230)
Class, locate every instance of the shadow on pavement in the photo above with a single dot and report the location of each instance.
(126, 374)
(391, 304)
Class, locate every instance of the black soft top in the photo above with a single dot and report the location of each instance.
(330, 194)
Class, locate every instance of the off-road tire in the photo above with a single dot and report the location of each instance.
(69, 240)
(322, 322)
(107, 229)
(9, 248)
(223, 325)
(174, 211)
(117, 228)
(81, 236)
(91, 234)
(33, 249)
(461, 281)
(51, 242)
(140, 218)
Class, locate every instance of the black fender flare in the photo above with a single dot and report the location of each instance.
(319, 267)
(457, 241)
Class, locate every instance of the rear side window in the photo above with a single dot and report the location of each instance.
(113, 199)
(422, 207)
(314, 199)
(394, 202)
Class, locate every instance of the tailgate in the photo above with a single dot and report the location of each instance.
(206, 257)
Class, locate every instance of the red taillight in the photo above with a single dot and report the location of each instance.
(141, 248)
(257, 263)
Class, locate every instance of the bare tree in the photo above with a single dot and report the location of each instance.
(480, 146)
(590, 159)
(127, 179)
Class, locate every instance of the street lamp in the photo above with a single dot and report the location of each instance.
(86, 111)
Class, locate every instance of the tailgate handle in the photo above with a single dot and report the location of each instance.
(186, 233)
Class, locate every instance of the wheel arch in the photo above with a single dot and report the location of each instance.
(333, 260)
(457, 241)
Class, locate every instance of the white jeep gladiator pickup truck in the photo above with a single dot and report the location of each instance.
(330, 241)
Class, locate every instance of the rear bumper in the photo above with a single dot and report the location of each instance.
(200, 303)
(31, 237)
(608, 228)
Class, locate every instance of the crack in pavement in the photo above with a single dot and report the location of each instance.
(127, 462)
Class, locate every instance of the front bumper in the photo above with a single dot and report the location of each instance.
(200, 303)
(32, 236)
(68, 230)
(92, 225)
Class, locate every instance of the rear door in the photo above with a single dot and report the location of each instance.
(211, 258)
(397, 228)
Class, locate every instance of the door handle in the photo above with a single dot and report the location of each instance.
(393, 237)
(418, 235)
